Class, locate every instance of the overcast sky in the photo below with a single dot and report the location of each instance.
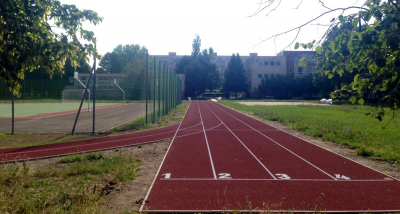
(170, 25)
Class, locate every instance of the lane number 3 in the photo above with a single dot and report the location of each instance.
(282, 176)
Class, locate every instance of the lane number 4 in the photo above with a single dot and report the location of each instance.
(342, 177)
(282, 176)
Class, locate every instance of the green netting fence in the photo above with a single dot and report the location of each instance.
(147, 90)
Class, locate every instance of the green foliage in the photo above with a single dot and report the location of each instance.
(235, 76)
(28, 42)
(287, 86)
(196, 46)
(370, 53)
(68, 187)
(200, 72)
(342, 124)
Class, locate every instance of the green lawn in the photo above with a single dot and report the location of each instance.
(345, 124)
(29, 109)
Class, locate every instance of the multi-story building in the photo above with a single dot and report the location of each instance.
(292, 61)
(257, 67)
(263, 67)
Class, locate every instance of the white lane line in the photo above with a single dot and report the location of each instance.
(278, 144)
(286, 180)
(162, 163)
(258, 160)
(91, 144)
(208, 147)
(198, 131)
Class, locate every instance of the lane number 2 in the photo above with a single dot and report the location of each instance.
(282, 176)
(224, 176)
(342, 177)
(167, 175)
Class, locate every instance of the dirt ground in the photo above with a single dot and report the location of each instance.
(130, 196)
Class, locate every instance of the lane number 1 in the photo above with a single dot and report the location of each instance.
(167, 175)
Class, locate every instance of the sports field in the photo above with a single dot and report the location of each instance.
(31, 109)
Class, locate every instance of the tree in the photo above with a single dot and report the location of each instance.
(369, 49)
(196, 47)
(28, 42)
(200, 72)
(235, 76)
(120, 57)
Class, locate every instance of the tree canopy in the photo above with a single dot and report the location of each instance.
(369, 50)
(121, 57)
(200, 72)
(235, 76)
(363, 44)
(42, 34)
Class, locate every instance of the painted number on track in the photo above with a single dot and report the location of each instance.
(167, 175)
(342, 177)
(224, 175)
(282, 176)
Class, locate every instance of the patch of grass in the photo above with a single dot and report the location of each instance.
(345, 124)
(76, 185)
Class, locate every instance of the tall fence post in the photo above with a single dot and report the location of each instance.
(147, 80)
(94, 95)
(159, 88)
(154, 89)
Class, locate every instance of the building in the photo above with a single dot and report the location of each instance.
(257, 67)
(263, 67)
(292, 61)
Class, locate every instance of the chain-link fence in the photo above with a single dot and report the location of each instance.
(148, 91)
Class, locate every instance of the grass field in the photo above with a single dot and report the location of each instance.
(76, 184)
(30, 109)
(344, 124)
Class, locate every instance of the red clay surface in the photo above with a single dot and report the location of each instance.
(222, 160)
(32, 152)
(61, 112)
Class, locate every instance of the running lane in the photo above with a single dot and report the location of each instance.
(31, 152)
(330, 163)
(193, 187)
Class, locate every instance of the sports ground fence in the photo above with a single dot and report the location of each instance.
(149, 92)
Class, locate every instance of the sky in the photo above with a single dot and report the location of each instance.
(227, 26)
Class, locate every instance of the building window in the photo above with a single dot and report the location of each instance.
(290, 58)
(310, 70)
(260, 76)
(300, 71)
(278, 63)
(265, 63)
(83, 78)
(272, 75)
(272, 63)
(265, 76)
(260, 63)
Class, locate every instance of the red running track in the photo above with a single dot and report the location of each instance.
(222, 160)
(60, 113)
(33, 152)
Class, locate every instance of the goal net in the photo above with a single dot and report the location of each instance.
(72, 95)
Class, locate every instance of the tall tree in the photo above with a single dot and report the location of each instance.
(120, 57)
(28, 42)
(235, 76)
(196, 47)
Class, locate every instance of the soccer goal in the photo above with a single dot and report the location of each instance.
(72, 95)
